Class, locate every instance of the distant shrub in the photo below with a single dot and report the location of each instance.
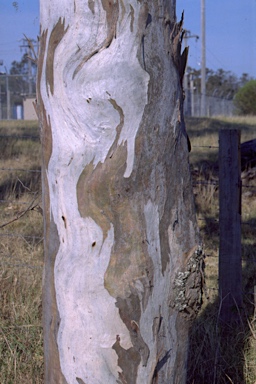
(245, 99)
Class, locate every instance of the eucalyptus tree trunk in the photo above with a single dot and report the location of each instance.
(122, 274)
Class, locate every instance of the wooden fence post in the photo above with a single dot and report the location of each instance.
(230, 265)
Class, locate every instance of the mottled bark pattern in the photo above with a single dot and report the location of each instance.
(51, 317)
(123, 266)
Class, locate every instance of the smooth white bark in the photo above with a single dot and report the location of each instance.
(116, 259)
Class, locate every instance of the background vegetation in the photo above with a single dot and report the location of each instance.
(220, 84)
(215, 357)
(245, 99)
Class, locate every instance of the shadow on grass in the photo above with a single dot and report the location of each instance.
(219, 353)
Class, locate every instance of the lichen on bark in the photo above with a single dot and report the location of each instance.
(187, 296)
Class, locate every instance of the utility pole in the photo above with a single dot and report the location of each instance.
(26, 43)
(187, 35)
(191, 80)
(1, 63)
(0, 102)
(8, 98)
(29, 77)
(203, 61)
(8, 95)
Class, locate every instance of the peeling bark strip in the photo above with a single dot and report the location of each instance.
(120, 228)
(176, 37)
(55, 38)
(51, 318)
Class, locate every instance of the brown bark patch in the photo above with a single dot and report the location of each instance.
(51, 318)
(45, 125)
(111, 7)
(128, 361)
(108, 198)
(91, 5)
(130, 313)
(56, 36)
(96, 192)
(132, 17)
(80, 381)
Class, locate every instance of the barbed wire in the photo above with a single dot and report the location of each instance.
(21, 265)
(211, 182)
(210, 219)
(20, 170)
(29, 237)
(25, 137)
(204, 146)
(16, 202)
(199, 182)
(22, 326)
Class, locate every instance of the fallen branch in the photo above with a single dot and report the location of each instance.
(31, 207)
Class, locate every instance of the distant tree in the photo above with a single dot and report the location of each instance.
(245, 78)
(220, 83)
(245, 99)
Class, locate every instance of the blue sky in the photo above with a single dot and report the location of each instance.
(230, 32)
(16, 18)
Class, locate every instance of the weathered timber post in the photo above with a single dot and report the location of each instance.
(230, 265)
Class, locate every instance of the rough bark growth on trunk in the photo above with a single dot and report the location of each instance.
(122, 258)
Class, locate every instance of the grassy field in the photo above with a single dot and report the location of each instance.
(21, 347)
(214, 357)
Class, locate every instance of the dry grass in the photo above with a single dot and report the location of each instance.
(216, 356)
(21, 346)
